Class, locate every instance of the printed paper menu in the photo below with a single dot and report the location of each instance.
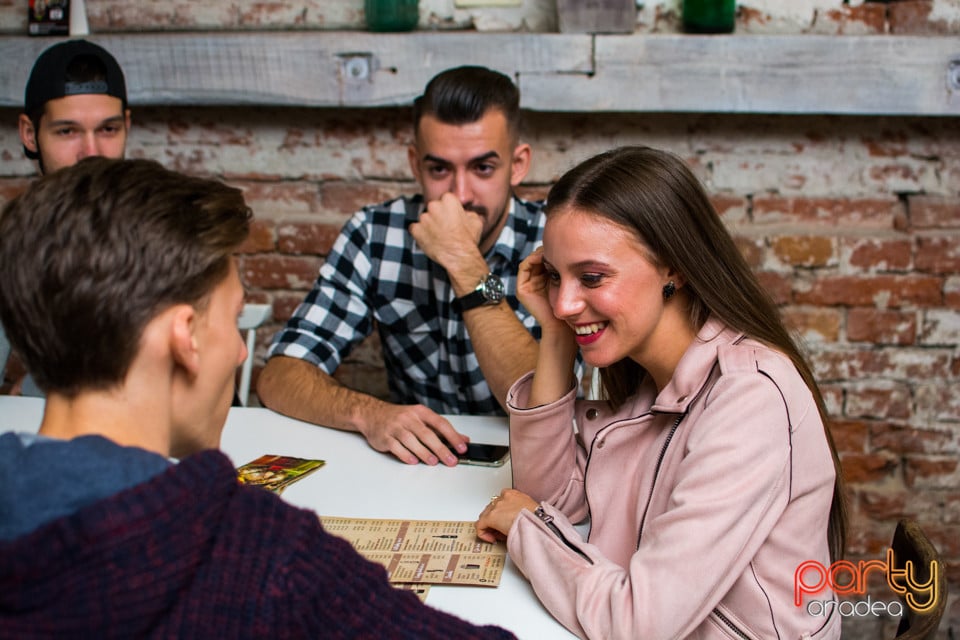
(424, 551)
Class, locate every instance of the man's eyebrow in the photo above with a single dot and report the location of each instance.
(67, 121)
(481, 158)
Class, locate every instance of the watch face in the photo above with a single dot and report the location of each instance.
(493, 289)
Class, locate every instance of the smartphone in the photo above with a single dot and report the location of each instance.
(484, 455)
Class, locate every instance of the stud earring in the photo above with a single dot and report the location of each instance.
(668, 290)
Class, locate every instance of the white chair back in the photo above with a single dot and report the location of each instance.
(253, 316)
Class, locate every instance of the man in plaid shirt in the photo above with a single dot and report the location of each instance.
(437, 272)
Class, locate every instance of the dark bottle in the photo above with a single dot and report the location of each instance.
(392, 15)
(708, 16)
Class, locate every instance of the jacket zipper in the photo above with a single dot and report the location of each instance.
(547, 519)
(656, 472)
(734, 628)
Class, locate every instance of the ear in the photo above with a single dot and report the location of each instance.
(28, 135)
(183, 341)
(126, 120)
(678, 280)
(520, 164)
(413, 157)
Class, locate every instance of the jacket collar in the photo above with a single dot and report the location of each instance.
(695, 366)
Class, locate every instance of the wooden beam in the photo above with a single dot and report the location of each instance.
(320, 68)
(908, 75)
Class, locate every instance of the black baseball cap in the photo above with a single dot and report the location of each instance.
(48, 79)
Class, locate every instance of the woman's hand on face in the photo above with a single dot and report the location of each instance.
(496, 519)
(533, 288)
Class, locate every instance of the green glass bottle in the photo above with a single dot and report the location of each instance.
(392, 15)
(708, 16)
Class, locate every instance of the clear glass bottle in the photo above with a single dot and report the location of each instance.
(392, 15)
(709, 16)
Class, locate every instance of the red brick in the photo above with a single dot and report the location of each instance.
(878, 254)
(10, 188)
(308, 238)
(274, 199)
(882, 291)
(938, 255)
(881, 326)
(867, 467)
(346, 198)
(284, 304)
(934, 212)
(824, 323)
(279, 272)
(951, 292)
(850, 436)
(261, 238)
(856, 363)
(939, 401)
(930, 471)
(886, 401)
(883, 505)
(732, 209)
(904, 439)
(869, 540)
(751, 248)
(913, 17)
(778, 285)
(946, 538)
(532, 191)
(866, 18)
(866, 212)
(803, 251)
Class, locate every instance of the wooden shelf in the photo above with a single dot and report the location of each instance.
(795, 74)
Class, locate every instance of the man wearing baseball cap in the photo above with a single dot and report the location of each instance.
(75, 105)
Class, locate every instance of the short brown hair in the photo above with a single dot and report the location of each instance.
(91, 253)
(462, 95)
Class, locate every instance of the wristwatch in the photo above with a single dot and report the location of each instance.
(488, 291)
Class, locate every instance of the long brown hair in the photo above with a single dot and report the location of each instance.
(655, 194)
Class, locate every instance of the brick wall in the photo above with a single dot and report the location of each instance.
(853, 223)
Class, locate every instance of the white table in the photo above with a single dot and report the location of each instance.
(360, 482)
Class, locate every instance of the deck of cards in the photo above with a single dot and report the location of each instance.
(276, 473)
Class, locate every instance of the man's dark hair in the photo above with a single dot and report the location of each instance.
(91, 253)
(464, 94)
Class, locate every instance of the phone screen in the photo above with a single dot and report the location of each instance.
(492, 455)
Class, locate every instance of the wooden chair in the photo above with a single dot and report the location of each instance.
(910, 543)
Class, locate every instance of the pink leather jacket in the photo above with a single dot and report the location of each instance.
(703, 500)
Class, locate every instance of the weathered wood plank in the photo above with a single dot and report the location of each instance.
(556, 72)
(758, 74)
(325, 69)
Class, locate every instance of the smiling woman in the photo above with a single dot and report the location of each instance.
(707, 472)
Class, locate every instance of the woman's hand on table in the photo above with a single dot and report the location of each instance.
(496, 519)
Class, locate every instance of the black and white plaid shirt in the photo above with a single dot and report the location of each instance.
(376, 271)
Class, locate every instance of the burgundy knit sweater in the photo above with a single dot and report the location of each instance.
(192, 554)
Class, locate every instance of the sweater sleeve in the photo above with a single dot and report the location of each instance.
(732, 487)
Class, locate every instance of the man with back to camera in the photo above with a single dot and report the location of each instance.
(121, 293)
(75, 105)
(437, 274)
